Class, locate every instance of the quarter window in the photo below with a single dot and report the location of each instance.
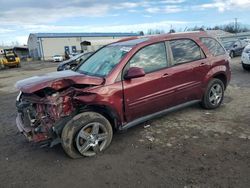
(185, 50)
(150, 58)
(214, 46)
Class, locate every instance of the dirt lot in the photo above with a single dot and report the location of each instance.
(189, 148)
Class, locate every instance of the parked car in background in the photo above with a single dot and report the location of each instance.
(234, 47)
(73, 62)
(245, 58)
(122, 85)
(57, 58)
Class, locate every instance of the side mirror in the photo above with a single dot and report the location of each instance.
(134, 72)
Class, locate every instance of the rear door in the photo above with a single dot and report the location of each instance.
(187, 59)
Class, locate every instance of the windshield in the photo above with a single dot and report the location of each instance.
(103, 61)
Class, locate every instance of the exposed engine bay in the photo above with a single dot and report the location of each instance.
(38, 112)
(45, 103)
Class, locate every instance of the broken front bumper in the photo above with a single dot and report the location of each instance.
(26, 131)
(30, 133)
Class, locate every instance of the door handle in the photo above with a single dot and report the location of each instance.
(165, 75)
(202, 64)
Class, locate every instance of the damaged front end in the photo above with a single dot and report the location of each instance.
(46, 103)
(39, 113)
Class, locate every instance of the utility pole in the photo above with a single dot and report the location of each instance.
(236, 25)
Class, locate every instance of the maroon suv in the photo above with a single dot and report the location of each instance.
(121, 85)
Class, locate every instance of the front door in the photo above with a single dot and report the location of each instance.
(146, 95)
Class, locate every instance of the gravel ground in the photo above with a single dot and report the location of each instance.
(188, 148)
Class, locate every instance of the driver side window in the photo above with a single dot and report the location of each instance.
(150, 58)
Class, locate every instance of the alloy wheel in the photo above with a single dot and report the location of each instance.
(91, 139)
(215, 94)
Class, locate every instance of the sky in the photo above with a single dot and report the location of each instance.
(19, 18)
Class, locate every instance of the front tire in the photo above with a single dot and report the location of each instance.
(86, 134)
(214, 94)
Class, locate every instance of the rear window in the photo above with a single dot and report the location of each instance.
(213, 45)
(185, 50)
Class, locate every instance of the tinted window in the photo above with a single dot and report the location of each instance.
(150, 58)
(214, 46)
(185, 50)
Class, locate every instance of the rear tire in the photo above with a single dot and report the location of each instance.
(86, 134)
(214, 94)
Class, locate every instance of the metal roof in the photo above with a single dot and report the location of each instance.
(65, 35)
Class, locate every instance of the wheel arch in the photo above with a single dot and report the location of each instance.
(221, 76)
(108, 112)
(219, 72)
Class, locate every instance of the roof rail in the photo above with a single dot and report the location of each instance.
(187, 32)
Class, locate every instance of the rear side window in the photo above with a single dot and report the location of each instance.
(150, 58)
(213, 45)
(185, 50)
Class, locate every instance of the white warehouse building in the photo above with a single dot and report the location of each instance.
(45, 45)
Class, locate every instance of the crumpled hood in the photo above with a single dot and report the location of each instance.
(56, 80)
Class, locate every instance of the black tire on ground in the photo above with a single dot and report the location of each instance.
(232, 54)
(214, 94)
(81, 133)
(246, 67)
